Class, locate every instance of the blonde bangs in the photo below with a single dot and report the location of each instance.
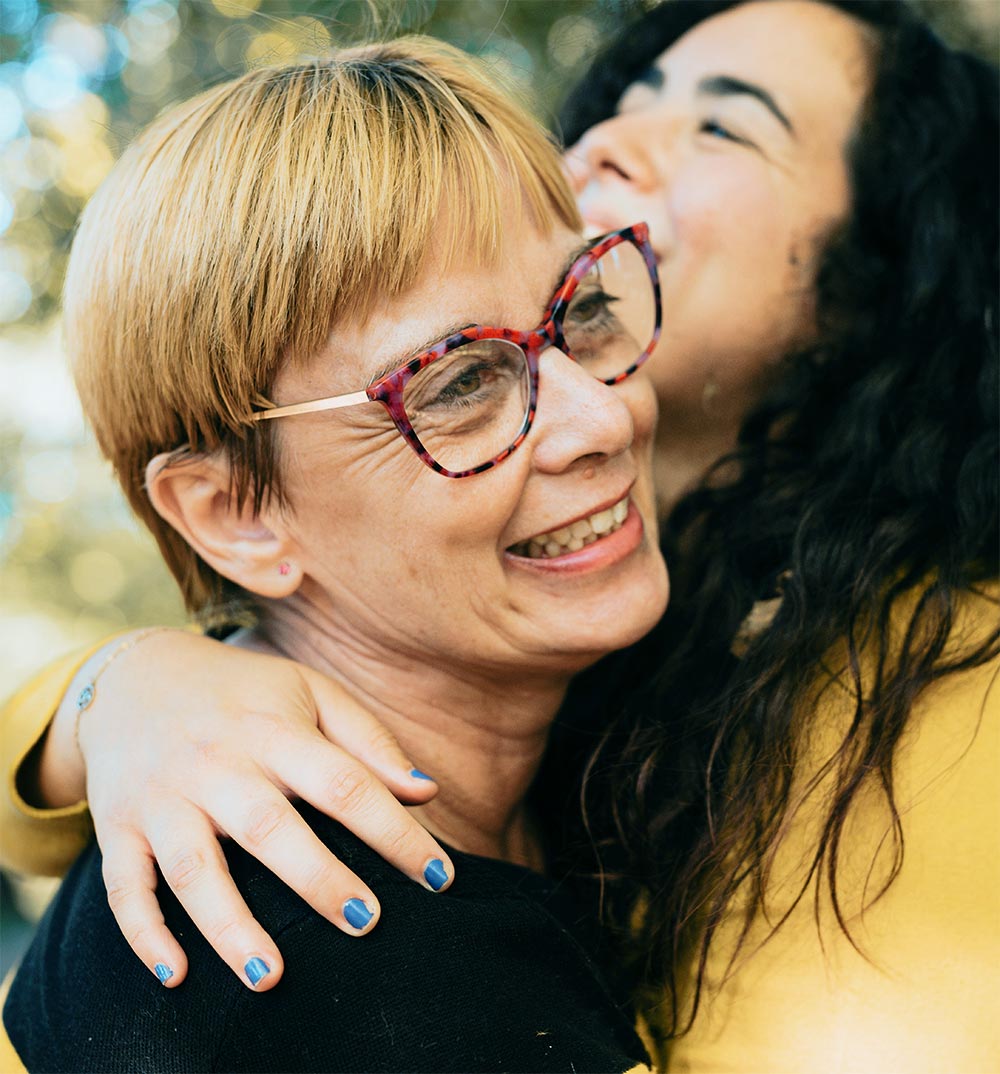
(242, 225)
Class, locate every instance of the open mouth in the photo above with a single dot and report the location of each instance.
(576, 535)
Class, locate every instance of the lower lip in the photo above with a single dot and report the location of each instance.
(602, 553)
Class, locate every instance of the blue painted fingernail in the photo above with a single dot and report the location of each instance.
(357, 914)
(417, 774)
(435, 874)
(163, 971)
(256, 970)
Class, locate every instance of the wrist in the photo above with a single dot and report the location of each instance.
(62, 775)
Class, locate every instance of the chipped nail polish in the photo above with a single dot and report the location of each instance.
(163, 971)
(256, 970)
(357, 914)
(435, 874)
(417, 774)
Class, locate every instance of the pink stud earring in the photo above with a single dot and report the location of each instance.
(283, 568)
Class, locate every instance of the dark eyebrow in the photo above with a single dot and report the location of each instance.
(726, 86)
(393, 364)
(653, 77)
(569, 263)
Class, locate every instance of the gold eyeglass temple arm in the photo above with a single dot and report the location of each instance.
(333, 403)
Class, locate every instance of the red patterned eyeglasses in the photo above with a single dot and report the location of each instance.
(468, 402)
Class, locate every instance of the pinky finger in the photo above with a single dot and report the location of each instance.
(130, 876)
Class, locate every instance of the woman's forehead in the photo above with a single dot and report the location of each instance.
(807, 56)
(510, 290)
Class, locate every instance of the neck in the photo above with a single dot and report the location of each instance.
(480, 734)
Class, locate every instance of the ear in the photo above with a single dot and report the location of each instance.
(193, 495)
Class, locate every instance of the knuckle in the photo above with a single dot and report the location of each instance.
(382, 741)
(120, 892)
(221, 933)
(348, 789)
(317, 885)
(138, 935)
(264, 821)
(184, 869)
(395, 842)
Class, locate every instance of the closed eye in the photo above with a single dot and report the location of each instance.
(718, 130)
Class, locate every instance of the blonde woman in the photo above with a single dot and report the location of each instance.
(380, 253)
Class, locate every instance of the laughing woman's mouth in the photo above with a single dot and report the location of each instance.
(576, 535)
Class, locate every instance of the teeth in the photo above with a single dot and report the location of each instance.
(602, 521)
(575, 536)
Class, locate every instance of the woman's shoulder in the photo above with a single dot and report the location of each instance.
(911, 985)
(489, 975)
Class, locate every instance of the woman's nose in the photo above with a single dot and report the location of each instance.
(614, 149)
(579, 417)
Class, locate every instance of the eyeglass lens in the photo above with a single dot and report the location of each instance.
(470, 405)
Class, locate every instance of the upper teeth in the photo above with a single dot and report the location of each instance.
(573, 537)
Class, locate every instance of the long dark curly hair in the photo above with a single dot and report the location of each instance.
(865, 491)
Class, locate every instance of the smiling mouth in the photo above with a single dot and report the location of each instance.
(576, 535)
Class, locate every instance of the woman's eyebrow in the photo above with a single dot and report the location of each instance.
(653, 77)
(727, 86)
(570, 261)
(393, 364)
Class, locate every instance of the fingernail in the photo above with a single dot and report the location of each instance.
(435, 874)
(357, 913)
(256, 970)
(163, 971)
(417, 774)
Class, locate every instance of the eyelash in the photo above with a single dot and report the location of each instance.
(713, 127)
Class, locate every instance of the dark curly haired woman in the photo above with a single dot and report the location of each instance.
(789, 808)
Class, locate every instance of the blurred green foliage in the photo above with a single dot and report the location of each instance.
(79, 78)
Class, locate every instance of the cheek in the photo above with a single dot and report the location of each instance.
(369, 515)
(734, 217)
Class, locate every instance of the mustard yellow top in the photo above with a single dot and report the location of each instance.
(926, 999)
(39, 842)
(924, 996)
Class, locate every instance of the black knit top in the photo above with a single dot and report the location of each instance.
(493, 975)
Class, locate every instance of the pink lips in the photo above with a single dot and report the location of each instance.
(604, 552)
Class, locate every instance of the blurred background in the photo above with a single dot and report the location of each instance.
(78, 78)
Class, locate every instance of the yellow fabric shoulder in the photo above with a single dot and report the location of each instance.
(921, 996)
(40, 842)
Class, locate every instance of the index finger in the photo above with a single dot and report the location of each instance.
(341, 787)
(349, 725)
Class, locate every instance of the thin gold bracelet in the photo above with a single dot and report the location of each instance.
(85, 698)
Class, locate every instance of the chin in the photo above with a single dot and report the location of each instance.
(621, 619)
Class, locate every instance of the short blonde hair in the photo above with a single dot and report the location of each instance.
(240, 225)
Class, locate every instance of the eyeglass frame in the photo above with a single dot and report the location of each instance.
(388, 389)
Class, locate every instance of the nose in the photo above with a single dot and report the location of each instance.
(580, 420)
(617, 149)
